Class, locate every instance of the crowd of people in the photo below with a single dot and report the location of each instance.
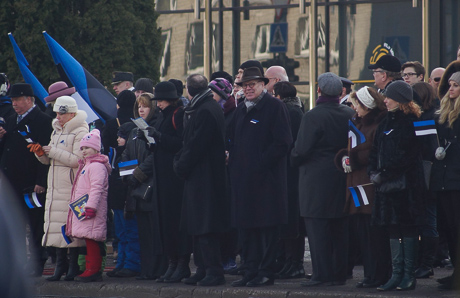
(237, 167)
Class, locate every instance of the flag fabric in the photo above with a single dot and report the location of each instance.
(39, 91)
(357, 137)
(423, 128)
(359, 195)
(127, 167)
(101, 101)
(66, 238)
(32, 200)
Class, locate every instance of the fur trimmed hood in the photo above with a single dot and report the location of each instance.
(444, 84)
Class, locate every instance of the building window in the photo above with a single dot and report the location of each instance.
(164, 5)
(261, 43)
(195, 47)
(165, 59)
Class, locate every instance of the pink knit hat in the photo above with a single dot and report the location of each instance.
(92, 140)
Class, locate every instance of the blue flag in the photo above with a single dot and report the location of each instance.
(357, 137)
(29, 77)
(423, 128)
(101, 101)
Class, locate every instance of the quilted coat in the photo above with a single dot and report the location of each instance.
(92, 179)
(63, 160)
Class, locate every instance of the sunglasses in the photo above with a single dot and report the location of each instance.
(437, 79)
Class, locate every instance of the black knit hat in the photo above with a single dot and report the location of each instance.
(252, 63)
(144, 84)
(179, 86)
(125, 129)
(399, 91)
(165, 91)
(126, 99)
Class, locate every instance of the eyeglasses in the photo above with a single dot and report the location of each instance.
(408, 74)
(437, 79)
(250, 85)
(374, 71)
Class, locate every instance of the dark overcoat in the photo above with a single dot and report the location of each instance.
(359, 160)
(201, 162)
(170, 187)
(397, 151)
(17, 162)
(323, 132)
(259, 144)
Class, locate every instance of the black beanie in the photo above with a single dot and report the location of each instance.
(252, 63)
(399, 91)
(179, 86)
(126, 99)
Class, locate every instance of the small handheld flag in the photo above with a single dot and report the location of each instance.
(359, 195)
(127, 167)
(423, 128)
(357, 137)
(32, 200)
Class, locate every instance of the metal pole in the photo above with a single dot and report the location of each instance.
(221, 35)
(426, 36)
(236, 45)
(312, 45)
(208, 39)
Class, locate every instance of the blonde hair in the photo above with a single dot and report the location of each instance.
(411, 108)
(449, 111)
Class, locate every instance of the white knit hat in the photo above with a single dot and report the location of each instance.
(65, 104)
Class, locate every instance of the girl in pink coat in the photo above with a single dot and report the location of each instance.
(88, 220)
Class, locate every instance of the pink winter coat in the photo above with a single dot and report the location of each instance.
(92, 179)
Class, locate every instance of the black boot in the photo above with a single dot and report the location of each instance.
(429, 246)
(62, 264)
(410, 250)
(397, 262)
(182, 270)
(74, 269)
(295, 271)
(171, 269)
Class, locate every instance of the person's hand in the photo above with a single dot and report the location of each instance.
(440, 153)
(89, 213)
(140, 134)
(153, 132)
(346, 164)
(36, 148)
(39, 189)
(376, 179)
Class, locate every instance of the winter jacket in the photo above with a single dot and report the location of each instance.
(92, 179)
(63, 160)
(396, 151)
(359, 160)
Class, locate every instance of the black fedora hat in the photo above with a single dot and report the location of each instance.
(165, 91)
(252, 73)
(21, 89)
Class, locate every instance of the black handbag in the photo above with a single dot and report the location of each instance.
(143, 191)
(393, 185)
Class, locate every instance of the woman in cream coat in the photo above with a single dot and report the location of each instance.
(62, 154)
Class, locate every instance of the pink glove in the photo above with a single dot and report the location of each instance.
(90, 213)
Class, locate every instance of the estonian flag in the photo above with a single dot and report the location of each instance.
(423, 128)
(357, 137)
(359, 195)
(32, 200)
(66, 238)
(29, 77)
(101, 101)
(127, 167)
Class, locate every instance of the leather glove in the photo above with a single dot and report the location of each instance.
(153, 132)
(89, 213)
(36, 148)
(440, 153)
(140, 134)
(128, 215)
(346, 164)
(376, 179)
(133, 182)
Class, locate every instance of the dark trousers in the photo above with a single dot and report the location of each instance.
(449, 204)
(328, 240)
(206, 254)
(38, 255)
(153, 262)
(259, 245)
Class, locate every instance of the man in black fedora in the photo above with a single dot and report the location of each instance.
(259, 144)
(386, 70)
(122, 80)
(26, 174)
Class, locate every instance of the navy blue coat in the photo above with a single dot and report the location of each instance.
(259, 144)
